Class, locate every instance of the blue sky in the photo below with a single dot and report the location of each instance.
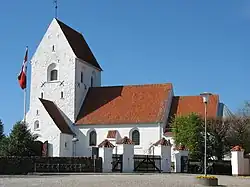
(196, 45)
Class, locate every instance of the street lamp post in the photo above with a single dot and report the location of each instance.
(74, 140)
(205, 97)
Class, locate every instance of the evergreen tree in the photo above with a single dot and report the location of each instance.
(1, 130)
(20, 141)
(3, 139)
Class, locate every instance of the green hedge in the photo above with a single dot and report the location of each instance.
(25, 165)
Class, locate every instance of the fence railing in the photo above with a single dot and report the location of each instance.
(41, 167)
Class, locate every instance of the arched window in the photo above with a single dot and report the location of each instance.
(136, 137)
(36, 125)
(92, 138)
(53, 75)
(52, 72)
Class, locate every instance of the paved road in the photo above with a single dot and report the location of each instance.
(156, 180)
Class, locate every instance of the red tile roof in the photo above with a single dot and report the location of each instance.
(125, 140)
(79, 45)
(124, 104)
(111, 134)
(107, 144)
(56, 115)
(184, 105)
(163, 142)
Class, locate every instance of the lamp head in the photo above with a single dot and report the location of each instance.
(205, 96)
(75, 139)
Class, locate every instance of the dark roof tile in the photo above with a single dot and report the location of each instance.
(56, 115)
(79, 45)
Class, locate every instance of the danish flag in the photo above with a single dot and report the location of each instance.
(22, 76)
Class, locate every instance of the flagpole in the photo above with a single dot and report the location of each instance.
(25, 93)
(24, 103)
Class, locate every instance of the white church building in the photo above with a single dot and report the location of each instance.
(71, 110)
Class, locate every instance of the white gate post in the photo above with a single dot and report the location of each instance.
(179, 152)
(163, 148)
(106, 153)
(237, 161)
(128, 154)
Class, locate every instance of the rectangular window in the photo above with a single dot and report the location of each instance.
(42, 95)
(81, 77)
(61, 95)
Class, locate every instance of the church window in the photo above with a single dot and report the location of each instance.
(92, 79)
(36, 125)
(37, 112)
(53, 48)
(61, 95)
(53, 75)
(92, 138)
(91, 82)
(81, 77)
(136, 137)
(42, 95)
(52, 72)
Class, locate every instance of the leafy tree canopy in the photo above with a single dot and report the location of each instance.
(188, 131)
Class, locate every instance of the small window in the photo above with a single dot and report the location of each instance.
(53, 48)
(36, 125)
(42, 95)
(37, 112)
(53, 75)
(91, 82)
(65, 144)
(92, 138)
(136, 137)
(61, 95)
(81, 77)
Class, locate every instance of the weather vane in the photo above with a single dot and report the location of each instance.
(55, 2)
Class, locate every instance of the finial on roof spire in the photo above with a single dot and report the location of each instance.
(55, 2)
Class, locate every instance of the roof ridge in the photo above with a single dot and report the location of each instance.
(135, 85)
(78, 44)
(59, 21)
(194, 95)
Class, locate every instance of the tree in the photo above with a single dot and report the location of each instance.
(239, 132)
(1, 130)
(3, 144)
(20, 141)
(239, 123)
(218, 142)
(188, 131)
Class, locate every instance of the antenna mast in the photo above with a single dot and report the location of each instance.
(56, 6)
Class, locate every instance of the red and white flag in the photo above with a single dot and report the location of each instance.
(22, 76)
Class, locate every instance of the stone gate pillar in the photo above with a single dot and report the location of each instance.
(163, 148)
(237, 161)
(127, 147)
(180, 151)
(106, 152)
